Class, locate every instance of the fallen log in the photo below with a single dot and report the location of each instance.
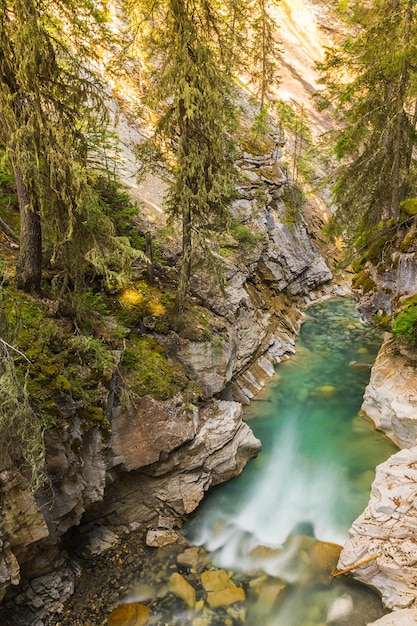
(351, 567)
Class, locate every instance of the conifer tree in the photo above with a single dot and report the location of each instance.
(193, 134)
(49, 101)
(263, 51)
(372, 79)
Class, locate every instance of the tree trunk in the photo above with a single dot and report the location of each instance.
(410, 147)
(29, 264)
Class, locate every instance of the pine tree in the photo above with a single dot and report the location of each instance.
(264, 50)
(372, 79)
(49, 102)
(194, 131)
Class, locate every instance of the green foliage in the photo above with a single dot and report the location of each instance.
(296, 122)
(405, 325)
(263, 50)
(148, 371)
(372, 82)
(52, 104)
(294, 198)
(408, 207)
(193, 134)
(261, 125)
(331, 229)
(21, 430)
(118, 205)
(244, 235)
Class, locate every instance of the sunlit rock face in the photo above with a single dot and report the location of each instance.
(175, 485)
(259, 314)
(388, 526)
(390, 399)
(387, 530)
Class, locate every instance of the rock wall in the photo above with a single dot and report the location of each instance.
(157, 465)
(387, 530)
(163, 456)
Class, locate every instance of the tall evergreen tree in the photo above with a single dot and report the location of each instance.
(372, 79)
(193, 134)
(49, 101)
(264, 50)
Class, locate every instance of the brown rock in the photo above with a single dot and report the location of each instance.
(216, 580)
(269, 594)
(182, 589)
(132, 614)
(160, 537)
(324, 557)
(225, 597)
(149, 431)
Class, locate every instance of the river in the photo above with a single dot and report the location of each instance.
(313, 476)
(273, 527)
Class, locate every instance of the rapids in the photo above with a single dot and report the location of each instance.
(313, 476)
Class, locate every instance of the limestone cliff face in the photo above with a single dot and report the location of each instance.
(387, 529)
(163, 456)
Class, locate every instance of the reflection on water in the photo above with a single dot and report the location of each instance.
(313, 476)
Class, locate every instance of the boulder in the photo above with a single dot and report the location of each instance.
(386, 532)
(182, 589)
(149, 431)
(405, 617)
(131, 614)
(390, 398)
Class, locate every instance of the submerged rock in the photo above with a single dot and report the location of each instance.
(182, 589)
(132, 614)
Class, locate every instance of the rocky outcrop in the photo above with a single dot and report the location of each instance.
(390, 399)
(391, 280)
(162, 493)
(387, 531)
(159, 462)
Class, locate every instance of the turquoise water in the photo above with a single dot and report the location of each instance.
(313, 476)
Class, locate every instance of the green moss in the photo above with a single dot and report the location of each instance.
(363, 281)
(359, 264)
(61, 382)
(409, 241)
(150, 371)
(95, 416)
(374, 252)
(405, 325)
(408, 207)
(140, 300)
(382, 321)
(58, 364)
